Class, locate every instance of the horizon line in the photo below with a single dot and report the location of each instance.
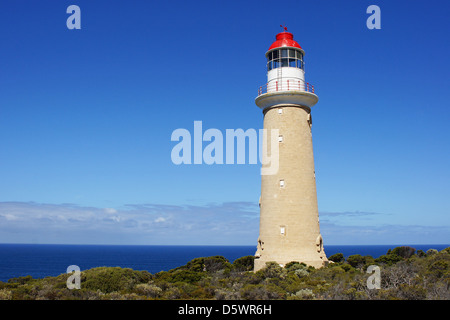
(216, 245)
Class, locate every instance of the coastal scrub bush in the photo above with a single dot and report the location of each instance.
(109, 279)
(439, 267)
(337, 257)
(297, 268)
(216, 263)
(271, 270)
(403, 276)
(421, 253)
(356, 261)
(208, 264)
(294, 265)
(404, 252)
(148, 289)
(244, 263)
(302, 294)
(262, 292)
(5, 294)
(388, 259)
(186, 276)
(21, 280)
(347, 268)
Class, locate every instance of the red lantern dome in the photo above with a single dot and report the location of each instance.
(285, 39)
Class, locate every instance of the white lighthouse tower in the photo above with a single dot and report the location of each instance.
(289, 217)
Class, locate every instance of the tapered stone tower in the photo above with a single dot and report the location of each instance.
(289, 217)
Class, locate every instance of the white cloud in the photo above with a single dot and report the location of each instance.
(336, 233)
(349, 214)
(10, 217)
(226, 223)
(230, 223)
(110, 210)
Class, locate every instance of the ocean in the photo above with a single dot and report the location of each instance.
(42, 260)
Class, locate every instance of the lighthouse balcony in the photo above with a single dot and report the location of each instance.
(286, 92)
(286, 85)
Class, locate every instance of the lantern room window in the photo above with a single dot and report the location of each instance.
(285, 58)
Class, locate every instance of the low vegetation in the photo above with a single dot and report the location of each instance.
(405, 274)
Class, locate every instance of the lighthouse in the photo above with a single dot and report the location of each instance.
(289, 216)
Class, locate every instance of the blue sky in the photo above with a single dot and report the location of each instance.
(86, 118)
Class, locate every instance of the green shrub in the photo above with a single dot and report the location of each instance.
(302, 294)
(338, 257)
(388, 259)
(148, 289)
(404, 252)
(186, 276)
(299, 269)
(244, 263)
(294, 265)
(411, 292)
(21, 280)
(439, 268)
(6, 294)
(208, 264)
(356, 260)
(109, 279)
(271, 270)
(421, 253)
(347, 268)
(446, 250)
(253, 292)
(262, 292)
(403, 276)
(216, 263)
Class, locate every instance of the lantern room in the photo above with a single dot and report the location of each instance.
(285, 57)
(285, 75)
(285, 64)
